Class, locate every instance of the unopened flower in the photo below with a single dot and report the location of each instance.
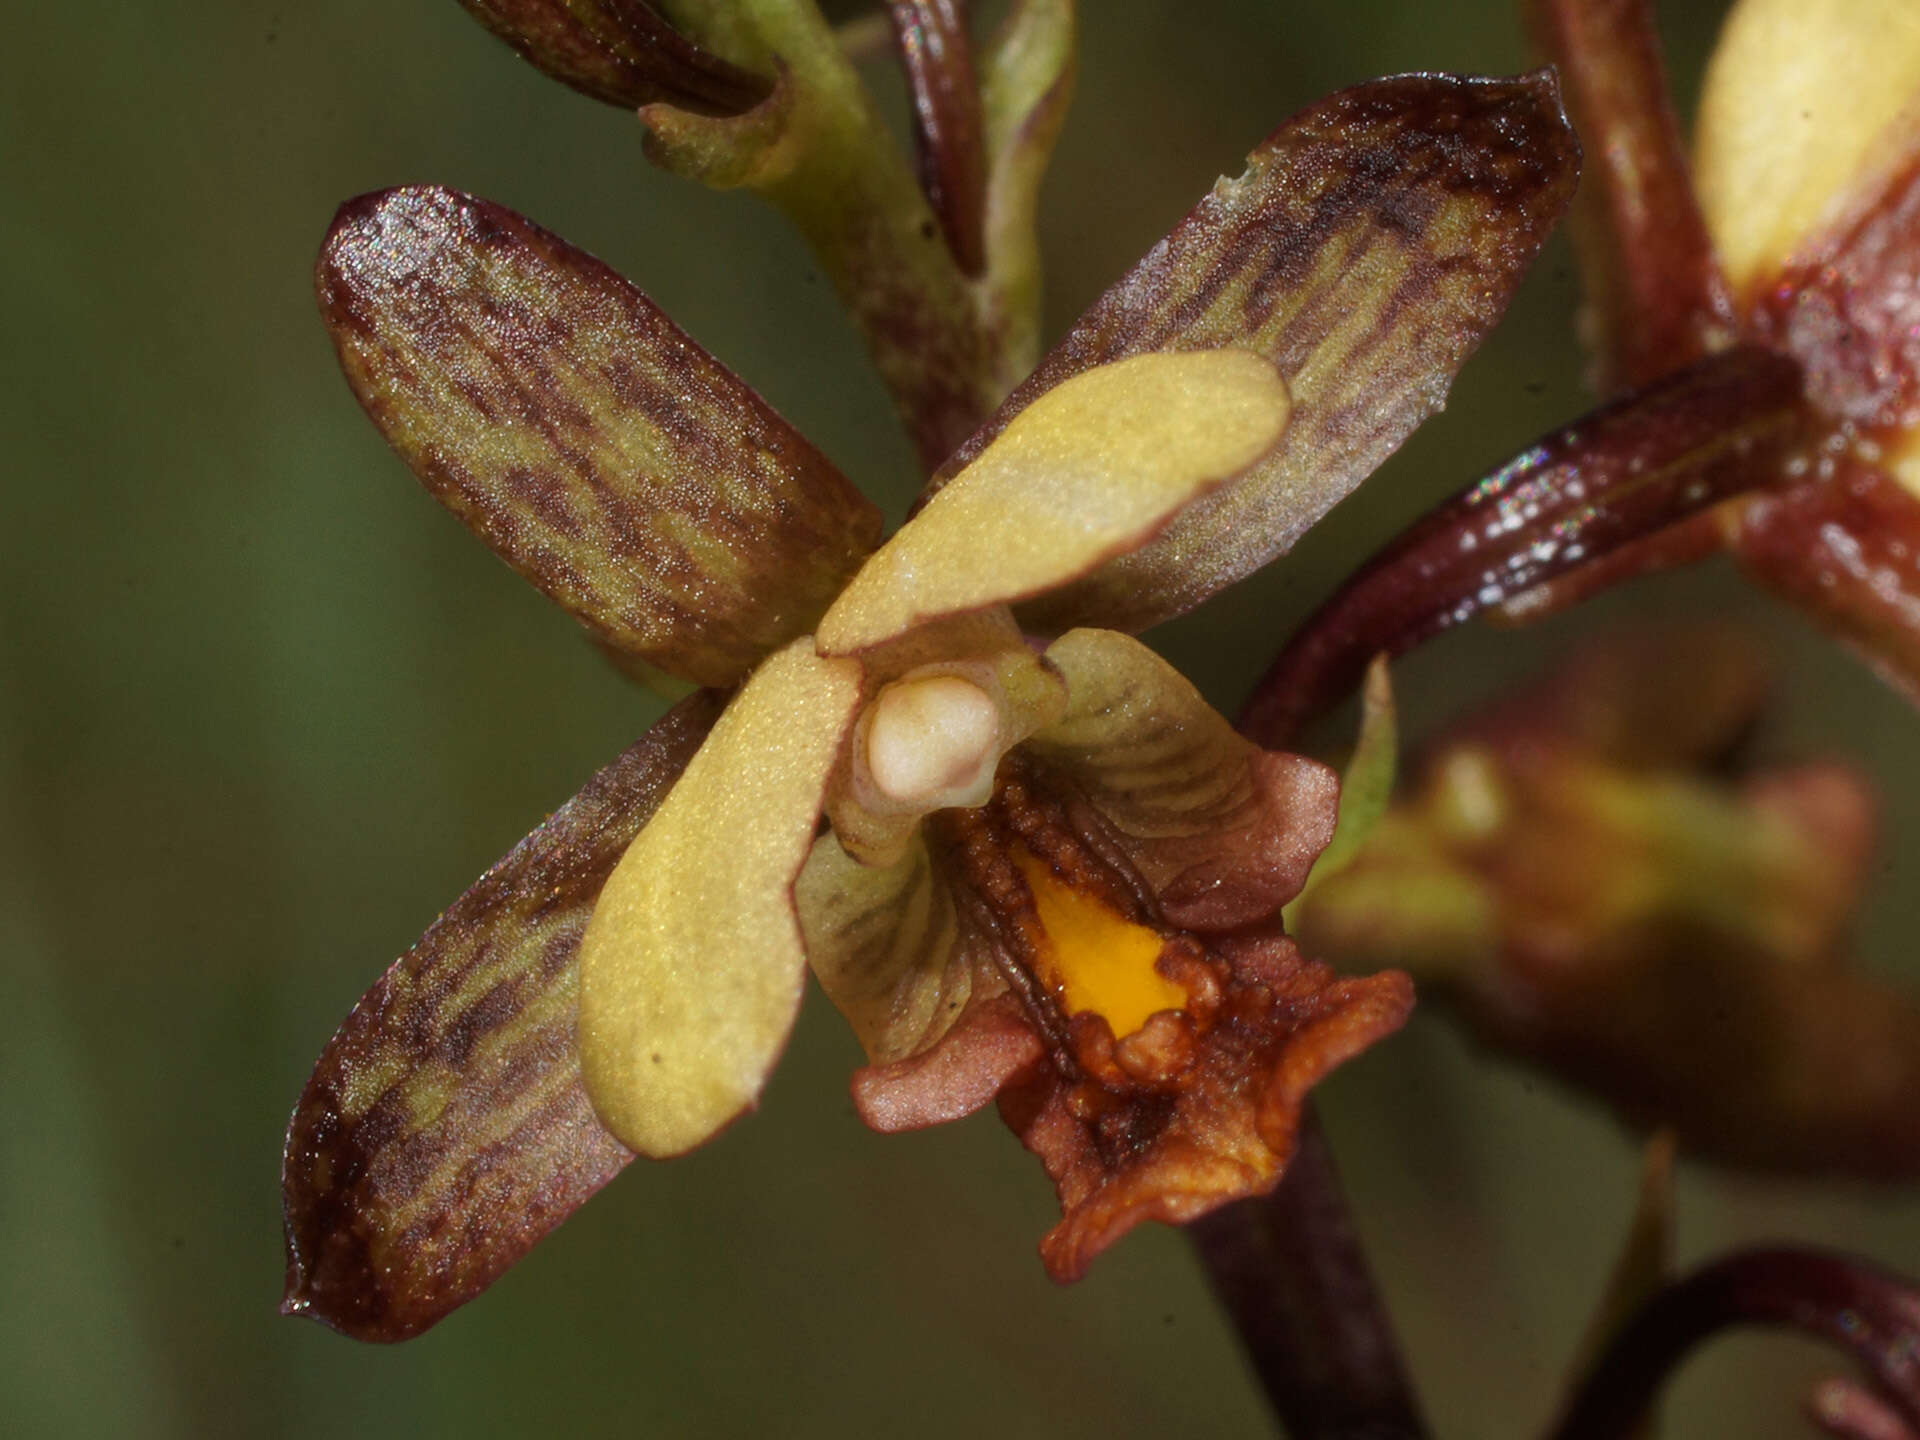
(1572, 876)
(1051, 873)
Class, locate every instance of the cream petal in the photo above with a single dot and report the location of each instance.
(692, 966)
(1089, 471)
(1804, 102)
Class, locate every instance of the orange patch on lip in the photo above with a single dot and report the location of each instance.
(1091, 957)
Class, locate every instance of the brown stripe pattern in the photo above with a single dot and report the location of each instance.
(1371, 243)
(445, 1129)
(621, 52)
(592, 444)
(882, 941)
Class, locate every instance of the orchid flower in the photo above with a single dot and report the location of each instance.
(1049, 873)
(1576, 875)
(1795, 231)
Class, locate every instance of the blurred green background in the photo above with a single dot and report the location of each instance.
(264, 709)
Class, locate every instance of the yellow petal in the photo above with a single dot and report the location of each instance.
(691, 968)
(1091, 470)
(1803, 104)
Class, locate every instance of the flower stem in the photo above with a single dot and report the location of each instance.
(1620, 476)
(1869, 1312)
(1289, 1269)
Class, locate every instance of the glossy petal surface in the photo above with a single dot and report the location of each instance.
(1089, 471)
(589, 442)
(692, 967)
(1372, 242)
(445, 1128)
(1804, 102)
(1222, 831)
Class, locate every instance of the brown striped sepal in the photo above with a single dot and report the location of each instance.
(1371, 243)
(621, 52)
(1621, 474)
(589, 442)
(445, 1128)
(1655, 296)
(911, 961)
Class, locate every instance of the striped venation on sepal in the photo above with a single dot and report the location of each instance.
(1372, 242)
(592, 444)
(445, 1128)
(621, 52)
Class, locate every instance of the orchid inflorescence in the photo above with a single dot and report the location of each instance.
(1019, 852)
